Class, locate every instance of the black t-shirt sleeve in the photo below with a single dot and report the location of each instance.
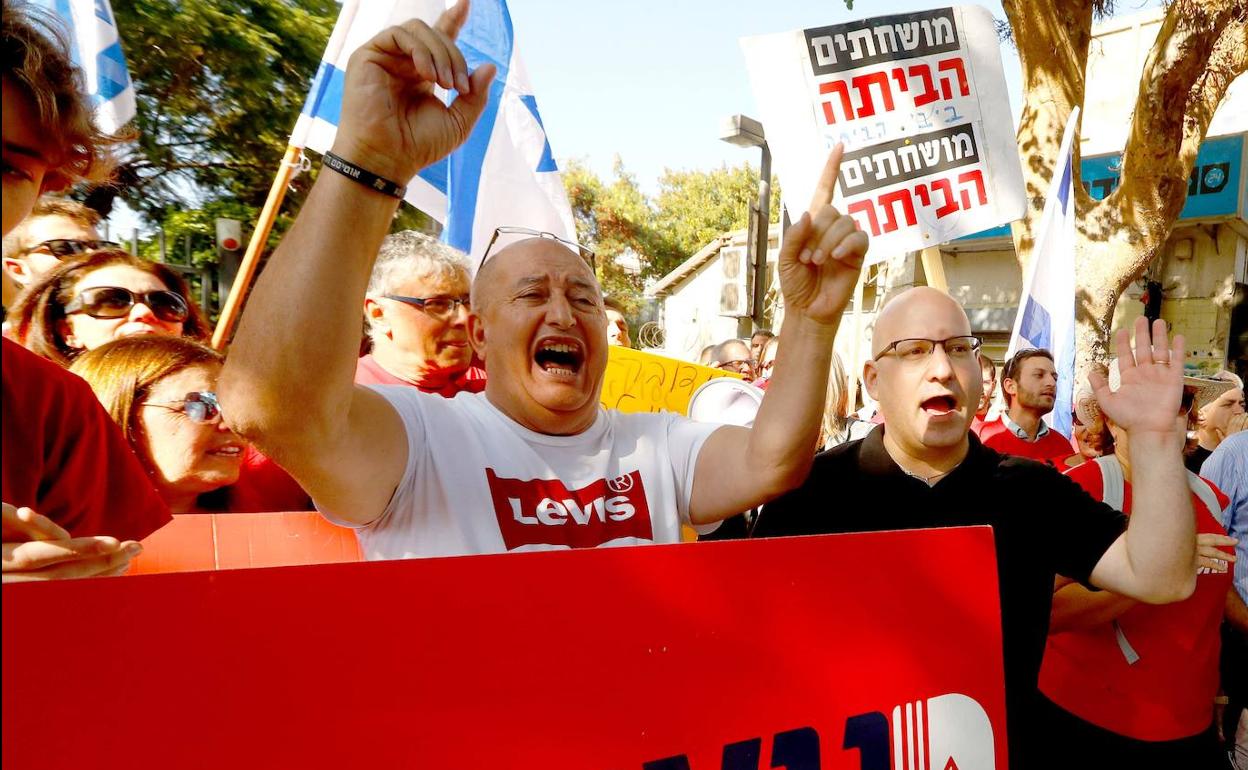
(781, 516)
(1079, 528)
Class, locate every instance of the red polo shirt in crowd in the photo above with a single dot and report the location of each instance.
(65, 458)
(369, 372)
(1049, 447)
(1167, 692)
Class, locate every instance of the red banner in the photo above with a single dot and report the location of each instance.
(858, 652)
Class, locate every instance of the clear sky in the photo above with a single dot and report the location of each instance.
(651, 80)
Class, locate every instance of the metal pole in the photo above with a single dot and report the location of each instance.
(762, 233)
(164, 256)
(134, 242)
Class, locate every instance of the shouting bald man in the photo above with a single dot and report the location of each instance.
(534, 462)
(922, 469)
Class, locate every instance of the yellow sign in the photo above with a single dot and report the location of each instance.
(637, 381)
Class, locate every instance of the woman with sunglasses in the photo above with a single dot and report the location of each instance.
(161, 391)
(101, 296)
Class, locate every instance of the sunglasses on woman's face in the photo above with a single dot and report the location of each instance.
(116, 302)
(199, 406)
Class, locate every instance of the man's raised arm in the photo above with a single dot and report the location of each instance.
(1155, 559)
(819, 263)
(288, 381)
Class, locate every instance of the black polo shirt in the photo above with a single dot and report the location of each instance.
(1044, 524)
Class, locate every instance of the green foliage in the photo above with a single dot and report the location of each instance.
(693, 207)
(616, 219)
(219, 85)
(612, 218)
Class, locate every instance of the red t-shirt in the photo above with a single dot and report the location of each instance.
(65, 458)
(369, 372)
(1051, 448)
(977, 425)
(1167, 694)
(263, 487)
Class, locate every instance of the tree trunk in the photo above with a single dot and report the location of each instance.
(1201, 46)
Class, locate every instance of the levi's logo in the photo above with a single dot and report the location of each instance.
(545, 512)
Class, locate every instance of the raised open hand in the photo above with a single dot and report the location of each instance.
(822, 254)
(1148, 399)
(392, 122)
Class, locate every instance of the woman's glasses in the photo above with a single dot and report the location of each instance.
(116, 302)
(199, 406)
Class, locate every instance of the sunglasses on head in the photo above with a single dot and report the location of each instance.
(67, 247)
(199, 406)
(116, 302)
(585, 252)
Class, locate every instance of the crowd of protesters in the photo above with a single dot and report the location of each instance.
(1122, 593)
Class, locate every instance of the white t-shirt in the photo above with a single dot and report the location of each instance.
(478, 482)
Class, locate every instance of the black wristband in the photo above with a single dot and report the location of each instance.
(364, 177)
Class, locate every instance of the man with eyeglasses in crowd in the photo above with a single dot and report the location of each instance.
(1029, 383)
(733, 355)
(922, 468)
(417, 309)
(534, 462)
(56, 228)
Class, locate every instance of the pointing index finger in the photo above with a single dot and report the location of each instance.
(827, 179)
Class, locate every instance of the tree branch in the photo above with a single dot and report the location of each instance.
(1052, 40)
(1199, 50)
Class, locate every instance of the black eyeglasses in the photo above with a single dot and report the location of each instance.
(438, 307)
(586, 253)
(918, 348)
(199, 406)
(67, 247)
(115, 302)
(740, 366)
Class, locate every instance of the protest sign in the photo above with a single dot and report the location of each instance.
(920, 103)
(639, 381)
(795, 652)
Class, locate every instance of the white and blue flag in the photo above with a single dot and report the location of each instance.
(1046, 314)
(505, 174)
(96, 48)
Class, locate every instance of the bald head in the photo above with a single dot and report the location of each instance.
(919, 312)
(512, 260)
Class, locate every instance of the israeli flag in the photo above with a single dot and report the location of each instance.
(505, 173)
(96, 48)
(1046, 316)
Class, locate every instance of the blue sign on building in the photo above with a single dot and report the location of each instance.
(1213, 189)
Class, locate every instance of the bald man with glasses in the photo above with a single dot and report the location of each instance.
(534, 462)
(924, 469)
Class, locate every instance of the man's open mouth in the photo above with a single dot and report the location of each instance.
(559, 358)
(939, 405)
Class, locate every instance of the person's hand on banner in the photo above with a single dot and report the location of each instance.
(393, 124)
(822, 253)
(36, 548)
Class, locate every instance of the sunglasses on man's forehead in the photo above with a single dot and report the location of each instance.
(68, 247)
(585, 252)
